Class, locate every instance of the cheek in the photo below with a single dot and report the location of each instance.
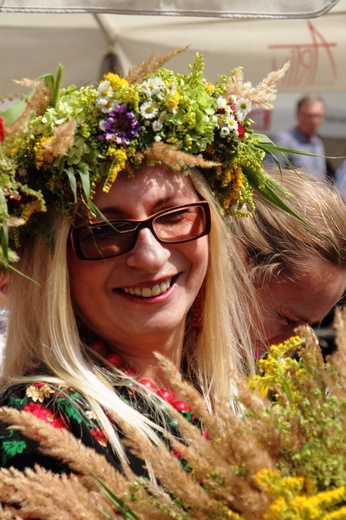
(200, 258)
(85, 281)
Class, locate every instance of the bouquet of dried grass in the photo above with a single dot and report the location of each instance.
(283, 457)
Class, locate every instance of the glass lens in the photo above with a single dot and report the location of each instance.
(180, 224)
(105, 240)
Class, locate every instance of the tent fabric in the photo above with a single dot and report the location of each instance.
(202, 8)
(88, 44)
(35, 44)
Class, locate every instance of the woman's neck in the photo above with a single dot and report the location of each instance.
(139, 355)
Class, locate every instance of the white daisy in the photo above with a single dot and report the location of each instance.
(221, 102)
(153, 86)
(148, 110)
(157, 126)
(243, 107)
(225, 131)
(232, 123)
(104, 96)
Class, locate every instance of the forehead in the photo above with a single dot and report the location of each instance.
(150, 185)
(313, 294)
(312, 106)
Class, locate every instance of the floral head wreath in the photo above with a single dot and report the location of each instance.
(66, 140)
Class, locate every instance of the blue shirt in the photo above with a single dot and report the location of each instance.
(340, 179)
(294, 139)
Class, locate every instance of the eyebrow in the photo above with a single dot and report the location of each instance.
(295, 317)
(121, 214)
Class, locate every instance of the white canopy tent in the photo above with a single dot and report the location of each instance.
(87, 37)
(216, 8)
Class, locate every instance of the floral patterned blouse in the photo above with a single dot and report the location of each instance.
(63, 408)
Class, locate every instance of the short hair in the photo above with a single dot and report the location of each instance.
(276, 242)
(308, 100)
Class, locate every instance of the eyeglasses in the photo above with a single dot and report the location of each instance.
(308, 115)
(176, 225)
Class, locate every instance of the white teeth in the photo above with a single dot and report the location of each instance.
(148, 292)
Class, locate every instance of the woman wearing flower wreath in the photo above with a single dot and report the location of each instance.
(113, 198)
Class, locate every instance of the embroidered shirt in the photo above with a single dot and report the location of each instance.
(63, 407)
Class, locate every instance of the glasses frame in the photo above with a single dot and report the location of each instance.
(75, 232)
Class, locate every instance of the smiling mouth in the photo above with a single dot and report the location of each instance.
(149, 292)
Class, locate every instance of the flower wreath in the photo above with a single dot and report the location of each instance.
(66, 140)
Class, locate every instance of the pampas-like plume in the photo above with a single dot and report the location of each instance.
(232, 444)
(173, 158)
(59, 444)
(61, 141)
(50, 490)
(168, 470)
(38, 102)
(89, 500)
(219, 469)
(263, 94)
(137, 72)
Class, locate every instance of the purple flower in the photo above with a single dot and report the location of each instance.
(120, 125)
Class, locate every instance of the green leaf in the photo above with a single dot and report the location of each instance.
(268, 146)
(14, 447)
(54, 83)
(73, 183)
(69, 410)
(96, 211)
(4, 245)
(16, 109)
(13, 112)
(85, 178)
(123, 509)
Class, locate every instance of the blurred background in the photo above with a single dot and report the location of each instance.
(87, 44)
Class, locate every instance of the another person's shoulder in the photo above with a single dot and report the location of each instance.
(340, 172)
(284, 136)
(340, 178)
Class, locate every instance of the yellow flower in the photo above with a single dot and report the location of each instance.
(276, 510)
(172, 100)
(31, 207)
(339, 514)
(116, 81)
(119, 158)
(40, 151)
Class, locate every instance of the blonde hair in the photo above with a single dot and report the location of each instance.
(276, 243)
(43, 327)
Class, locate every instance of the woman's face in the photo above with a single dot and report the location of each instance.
(286, 304)
(143, 295)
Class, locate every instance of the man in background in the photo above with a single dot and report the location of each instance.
(304, 137)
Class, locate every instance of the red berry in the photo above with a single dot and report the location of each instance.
(148, 384)
(115, 360)
(129, 371)
(166, 395)
(182, 406)
(100, 347)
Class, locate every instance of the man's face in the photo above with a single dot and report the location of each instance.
(310, 117)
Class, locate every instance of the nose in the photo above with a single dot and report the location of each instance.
(285, 332)
(148, 254)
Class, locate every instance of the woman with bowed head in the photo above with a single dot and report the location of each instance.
(298, 271)
(118, 250)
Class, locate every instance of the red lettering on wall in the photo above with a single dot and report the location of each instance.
(305, 59)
